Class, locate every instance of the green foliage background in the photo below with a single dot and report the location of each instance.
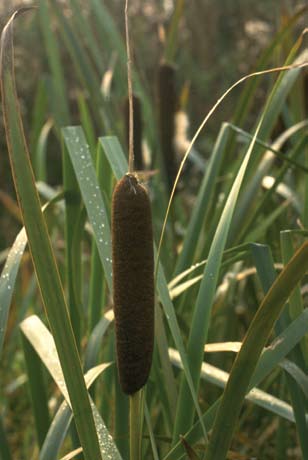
(227, 217)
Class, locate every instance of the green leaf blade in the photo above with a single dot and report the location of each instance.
(41, 251)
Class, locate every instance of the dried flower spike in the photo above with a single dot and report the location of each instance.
(133, 282)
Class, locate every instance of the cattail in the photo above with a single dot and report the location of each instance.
(167, 108)
(137, 134)
(133, 282)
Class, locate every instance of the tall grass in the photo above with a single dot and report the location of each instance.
(229, 268)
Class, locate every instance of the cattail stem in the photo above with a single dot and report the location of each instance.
(137, 132)
(130, 97)
(133, 281)
(136, 424)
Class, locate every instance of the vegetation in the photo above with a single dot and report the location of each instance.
(230, 218)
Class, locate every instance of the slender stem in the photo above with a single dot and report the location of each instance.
(135, 424)
(130, 97)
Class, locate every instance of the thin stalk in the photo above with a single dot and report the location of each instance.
(121, 417)
(130, 97)
(135, 424)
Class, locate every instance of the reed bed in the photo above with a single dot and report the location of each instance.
(136, 322)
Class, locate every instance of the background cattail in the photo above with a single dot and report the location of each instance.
(137, 134)
(133, 282)
(167, 108)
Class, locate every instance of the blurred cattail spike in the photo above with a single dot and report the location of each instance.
(167, 108)
(133, 282)
(137, 130)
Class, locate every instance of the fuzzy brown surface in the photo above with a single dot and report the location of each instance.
(133, 282)
(138, 158)
(167, 109)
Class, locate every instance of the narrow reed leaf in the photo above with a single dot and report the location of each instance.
(179, 288)
(80, 156)
(8, 279)
(60, 109)
(298, 354)
(41, 250)
(200, 323)
(11, 267)
(95, 340)
(203, 202)
(301, 63)
(83, 26)
(173, 31)
(98, 291)
(106, 27)
(41, 152)
(115, 155)
(246, 204)
(222, 346)
(278, 95)
(247, 358)
(297, 374)
(150, 429)
(83, 65)
(56, 433)
(72, 454)
(251, 87)
(43, 343)
(87, 123)
(240, 249)
(289, 366)
(260, 230)
(202, 310)
(182, 287)
(269, 359)
(296, 304)
(169, 386)
(295, 152)
(63, 418)
(267, 275)
(38, 117)
(219, 378)
(273, 147)
(59, 99)
(280, 347)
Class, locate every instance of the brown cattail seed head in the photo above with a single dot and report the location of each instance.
(167, 108)
(133, 282)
